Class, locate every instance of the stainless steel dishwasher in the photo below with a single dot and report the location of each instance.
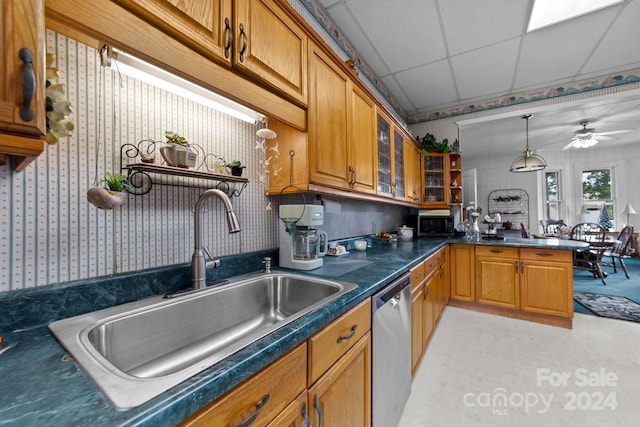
(391, 354)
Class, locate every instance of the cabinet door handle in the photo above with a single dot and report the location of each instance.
(349, 335)
(496, 251)
(419, 276)
(544, 254)
(255, 413)
(441, 272)
(28, 82)
(352, 177)
(228, 36)
(316, 406)
(305, 418)
(426, 291)
(243, 49)
(516, 267)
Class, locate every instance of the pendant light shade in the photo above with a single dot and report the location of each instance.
(527, 161)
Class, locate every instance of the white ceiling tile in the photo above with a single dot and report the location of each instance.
(486, 71)
(357, 38)
(328, 3)
(559, 51)
(621, 41)
(430, 85)
(393, 86)
(398, 32)
(472, 24)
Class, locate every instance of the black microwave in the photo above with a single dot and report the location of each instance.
(435, 225)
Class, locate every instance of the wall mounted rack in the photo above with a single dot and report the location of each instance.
(144, 173)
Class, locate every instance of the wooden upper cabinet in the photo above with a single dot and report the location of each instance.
(205, 26)
(399, 181)
(361, 130)
(21, 132)
(328, 105)
(256, 37)
(270, 45)
(413, 180)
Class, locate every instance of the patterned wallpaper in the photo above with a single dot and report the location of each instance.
(49, 233)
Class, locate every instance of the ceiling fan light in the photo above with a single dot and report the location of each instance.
(585, 143)
(527, 161)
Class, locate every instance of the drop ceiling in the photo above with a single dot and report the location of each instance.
(431, 55)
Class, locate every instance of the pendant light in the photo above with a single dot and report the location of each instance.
(527, 161)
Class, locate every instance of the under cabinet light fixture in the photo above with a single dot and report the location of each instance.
(136, 68)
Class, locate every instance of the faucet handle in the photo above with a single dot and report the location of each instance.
(211, 261)
(267, 264)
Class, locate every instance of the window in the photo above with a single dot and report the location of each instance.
(552, 194)
(597, 200)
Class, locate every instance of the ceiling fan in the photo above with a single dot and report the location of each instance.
(588, 137)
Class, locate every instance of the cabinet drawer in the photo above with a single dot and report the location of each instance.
(555, 255)
(328, 345)
(282, 382)
(430, 264)
(417, 275)
(496, 251)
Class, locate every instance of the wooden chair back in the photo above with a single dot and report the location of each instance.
(588, 232)
(551, 226)
(624, 239)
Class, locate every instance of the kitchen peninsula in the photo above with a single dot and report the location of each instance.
(529, 279)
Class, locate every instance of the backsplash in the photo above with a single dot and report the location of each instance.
(50, 234)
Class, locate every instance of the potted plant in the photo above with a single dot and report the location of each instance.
(236, 167)
(177, 151)
(429, 144)
(110, 192)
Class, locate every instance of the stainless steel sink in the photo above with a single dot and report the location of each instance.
(136, 351)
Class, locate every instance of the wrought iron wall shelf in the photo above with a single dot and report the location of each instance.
(143, 176)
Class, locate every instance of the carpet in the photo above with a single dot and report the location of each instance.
(614, 307)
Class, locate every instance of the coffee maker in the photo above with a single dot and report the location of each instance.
(301, 245)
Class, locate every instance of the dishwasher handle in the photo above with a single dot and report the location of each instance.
(391, 293)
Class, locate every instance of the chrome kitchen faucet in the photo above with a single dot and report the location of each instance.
(201, 260)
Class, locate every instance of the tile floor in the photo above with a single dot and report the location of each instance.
(485, 370)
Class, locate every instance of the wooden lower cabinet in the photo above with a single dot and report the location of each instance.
(429, 295)
(497, 280)
(533, 284)
(342, 395)
(263, 396)
(462, 272)
(547, 282)
(294, 415)
(328, 377)
(417, 346)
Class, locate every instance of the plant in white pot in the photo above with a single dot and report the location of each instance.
(110, 192)
(177, 152)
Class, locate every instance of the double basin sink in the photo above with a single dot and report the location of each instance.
(136, 351)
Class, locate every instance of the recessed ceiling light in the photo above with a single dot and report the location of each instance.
(549, 12)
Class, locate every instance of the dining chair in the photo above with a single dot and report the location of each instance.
(523, 231)
(619, 251)
(589, 259)
(551, 226)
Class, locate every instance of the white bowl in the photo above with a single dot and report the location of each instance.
(360, 245)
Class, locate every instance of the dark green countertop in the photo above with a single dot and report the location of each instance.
(43, 388)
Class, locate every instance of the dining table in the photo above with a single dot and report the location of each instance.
(590, 259)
